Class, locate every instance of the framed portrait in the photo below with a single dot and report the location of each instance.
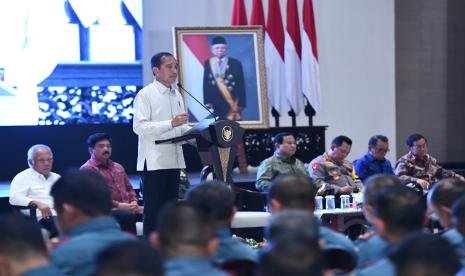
(223, 67)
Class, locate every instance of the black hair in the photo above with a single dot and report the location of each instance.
(292, 255)
(156, 60)
(84, 189)
(458, 214)
(374, 140)
(375, 183)
(413, 138)
(339, 140)
(175, 236)
(293, 191)
(401, 209)
(214, 198)
(97, 137)
(134, 257)
(278, 138)
(425, 254)
(21, 237)
(288, 222)
(446, 191)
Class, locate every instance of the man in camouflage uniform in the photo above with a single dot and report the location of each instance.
(419, 167)
(283, 161)
(332, 172)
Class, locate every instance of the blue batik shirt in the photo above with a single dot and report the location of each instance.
(368, 165)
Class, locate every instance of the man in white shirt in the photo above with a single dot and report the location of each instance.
(32, 186)
(159, 114)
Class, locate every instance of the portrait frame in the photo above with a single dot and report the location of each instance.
(192, 47)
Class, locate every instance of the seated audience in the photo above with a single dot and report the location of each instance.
(22, 248)
(458, 223)
(217, 201)
(424, 254)
(131, 258)
(303, 223)
(124, 198)
(83, 205)
(441, 198)
(370, 246)
(292, 222)
(32, 186)
(292, 255)
(332, 173)
(418, 167)
(374, 161)
(399, 213)
(283, 161)
(298, 192)
(186, 240)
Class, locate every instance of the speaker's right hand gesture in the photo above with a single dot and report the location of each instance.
(180, 119)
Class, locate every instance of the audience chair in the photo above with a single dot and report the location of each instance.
(32, 209)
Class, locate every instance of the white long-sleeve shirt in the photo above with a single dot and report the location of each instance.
(30, 185)
(154, 107)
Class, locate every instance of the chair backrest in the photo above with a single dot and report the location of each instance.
(32, 209)
(247, 200)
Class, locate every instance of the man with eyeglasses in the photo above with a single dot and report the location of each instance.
(32, 186)
(374, 161)
(418, 167)
(332, 173)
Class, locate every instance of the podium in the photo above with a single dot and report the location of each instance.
(216, 145)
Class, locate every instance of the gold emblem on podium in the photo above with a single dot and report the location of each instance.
(227, 133)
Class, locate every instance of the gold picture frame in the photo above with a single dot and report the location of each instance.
(217, 82)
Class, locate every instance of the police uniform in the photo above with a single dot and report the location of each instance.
(409, 168)
(331, 175)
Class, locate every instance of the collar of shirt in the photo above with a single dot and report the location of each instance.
(94, 224)
(39, 175)
(223, 232)
(95, 163)
(286, 159)
(162, 88)
(327, 158)
(371, 158)
(414, 158)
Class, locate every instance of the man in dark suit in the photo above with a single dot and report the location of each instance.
(223, 82)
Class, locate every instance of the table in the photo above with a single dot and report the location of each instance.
(341, 219)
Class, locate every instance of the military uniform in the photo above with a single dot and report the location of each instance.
(409, 168)
(275, 165)
(331, 175)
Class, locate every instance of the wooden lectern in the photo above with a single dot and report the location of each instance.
(216, 144)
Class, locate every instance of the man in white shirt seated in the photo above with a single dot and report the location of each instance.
(32, 186)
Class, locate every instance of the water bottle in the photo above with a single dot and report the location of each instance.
(345, 201)
(330, 204)
(318, 202)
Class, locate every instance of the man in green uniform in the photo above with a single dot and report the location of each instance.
(283, 161)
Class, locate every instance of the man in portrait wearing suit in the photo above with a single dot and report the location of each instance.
(223, 82)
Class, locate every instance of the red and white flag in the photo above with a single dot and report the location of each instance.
(310, 67)
(274, 58)
(292, 54)
(195, 51)
(239, 15)
(257, 17)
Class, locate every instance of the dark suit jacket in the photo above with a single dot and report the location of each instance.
(234, 80)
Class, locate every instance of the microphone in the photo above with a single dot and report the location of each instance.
(206, 108)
